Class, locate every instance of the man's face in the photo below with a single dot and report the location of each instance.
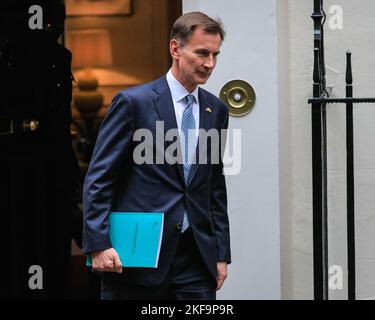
(196, 59)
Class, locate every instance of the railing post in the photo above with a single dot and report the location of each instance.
(319, 161)
(350, 180)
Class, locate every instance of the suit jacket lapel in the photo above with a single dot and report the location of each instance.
(164, 106)
(204, 124)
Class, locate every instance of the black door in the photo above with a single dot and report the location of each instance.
(39, 175)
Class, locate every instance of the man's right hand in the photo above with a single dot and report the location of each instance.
(106, 261)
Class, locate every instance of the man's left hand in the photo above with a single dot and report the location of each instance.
(222, 274)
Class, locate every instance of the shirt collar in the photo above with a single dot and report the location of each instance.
(178, 91)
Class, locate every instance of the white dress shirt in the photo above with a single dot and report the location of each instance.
(178, 93)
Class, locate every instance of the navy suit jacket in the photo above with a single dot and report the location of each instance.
(114, 182)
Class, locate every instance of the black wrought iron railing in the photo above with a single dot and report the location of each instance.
(319, 103)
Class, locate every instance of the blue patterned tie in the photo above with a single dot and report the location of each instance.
(188, 122)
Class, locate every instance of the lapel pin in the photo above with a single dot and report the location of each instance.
(208, 109)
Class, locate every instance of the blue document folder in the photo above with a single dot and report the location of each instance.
(136, 236)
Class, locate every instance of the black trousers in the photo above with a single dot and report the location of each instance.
(188, 278)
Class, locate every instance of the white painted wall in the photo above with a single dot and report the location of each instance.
(358, 34)
(285, 146)
(250, 53)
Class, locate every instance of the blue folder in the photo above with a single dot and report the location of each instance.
(136, 236)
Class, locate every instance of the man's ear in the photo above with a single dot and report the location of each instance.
(174, 49)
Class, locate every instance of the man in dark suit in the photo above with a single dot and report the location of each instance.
(192, 195)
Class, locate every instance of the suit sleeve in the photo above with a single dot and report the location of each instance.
(111, 149)
(219, 205)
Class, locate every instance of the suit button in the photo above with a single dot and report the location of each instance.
(179, 226)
